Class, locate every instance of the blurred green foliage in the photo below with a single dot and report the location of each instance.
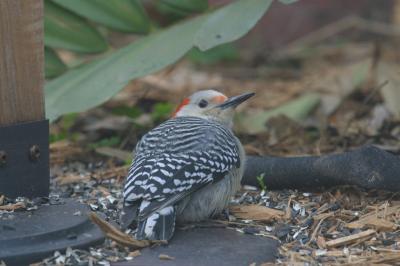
(65, 124)
(161, 111)
(64, 29)
(106, 142)
(83, 26)
(132, 112)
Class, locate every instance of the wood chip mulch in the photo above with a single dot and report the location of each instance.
(341, 226)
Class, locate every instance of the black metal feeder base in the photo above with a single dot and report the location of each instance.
(29, 236)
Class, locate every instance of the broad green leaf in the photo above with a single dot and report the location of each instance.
(122, 15)
(66, 30)
(181, 7)
(53, 64)
(230, 23)
(287, 2)
(224, 52)
(92, 84)
(190, 6)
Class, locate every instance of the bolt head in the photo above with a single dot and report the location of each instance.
(34, 153)
(3, 157)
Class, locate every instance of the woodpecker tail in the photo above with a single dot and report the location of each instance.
(158, 226)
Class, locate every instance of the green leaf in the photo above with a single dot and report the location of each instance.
(224, 52)
(287, 2)
(66, 30)
(190, 6)
(53, 64)
(122, 15)
(93, 83)
(181, 8)
(230, 23)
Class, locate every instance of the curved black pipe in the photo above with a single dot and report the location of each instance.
(368, 167)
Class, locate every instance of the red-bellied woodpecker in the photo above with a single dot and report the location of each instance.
(187, 168)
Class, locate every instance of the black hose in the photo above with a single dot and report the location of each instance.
(368, 167)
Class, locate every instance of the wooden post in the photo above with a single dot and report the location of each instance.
(24, 142)
(21, 61)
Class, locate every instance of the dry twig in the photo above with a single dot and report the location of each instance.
(12, 207)
(118, 236)
(349, 239)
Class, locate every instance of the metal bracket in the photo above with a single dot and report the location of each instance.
(24, 160)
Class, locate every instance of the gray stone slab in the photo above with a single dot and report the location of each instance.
(209, 246)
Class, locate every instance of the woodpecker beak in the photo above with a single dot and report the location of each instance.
(234, 101)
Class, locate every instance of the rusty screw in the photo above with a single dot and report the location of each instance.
(3, 157)
(34, 153)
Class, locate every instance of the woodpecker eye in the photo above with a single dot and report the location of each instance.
(203, 103)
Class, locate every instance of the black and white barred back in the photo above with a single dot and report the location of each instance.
(172, 161)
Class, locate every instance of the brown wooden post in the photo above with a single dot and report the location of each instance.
(23, 130)
(21, 61)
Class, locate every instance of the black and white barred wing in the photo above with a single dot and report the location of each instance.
(168, 167)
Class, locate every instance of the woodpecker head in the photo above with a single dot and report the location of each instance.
(211, 104)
